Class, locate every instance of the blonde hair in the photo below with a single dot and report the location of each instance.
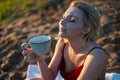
(92, 18)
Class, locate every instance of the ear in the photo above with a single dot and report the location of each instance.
(86, 30)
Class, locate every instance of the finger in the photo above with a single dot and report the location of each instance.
(32, 54)
(25, 53)
(25, 58)
(33, 62)
(29, 58)
(26, 48)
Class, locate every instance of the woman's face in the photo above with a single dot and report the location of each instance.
(71, 25)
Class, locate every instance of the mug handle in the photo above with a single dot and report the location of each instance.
(26, 46)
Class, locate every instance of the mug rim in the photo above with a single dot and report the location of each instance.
(49, 38)
(40, 42)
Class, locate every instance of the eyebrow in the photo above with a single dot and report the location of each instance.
(71, 16)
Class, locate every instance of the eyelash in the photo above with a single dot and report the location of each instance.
(70, 19)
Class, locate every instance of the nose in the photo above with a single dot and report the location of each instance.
(63, 22)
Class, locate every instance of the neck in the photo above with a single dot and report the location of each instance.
(78, 45)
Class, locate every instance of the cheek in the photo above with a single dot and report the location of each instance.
(75, 29)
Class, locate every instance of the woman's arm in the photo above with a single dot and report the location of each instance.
(50, 71)
(94, 65)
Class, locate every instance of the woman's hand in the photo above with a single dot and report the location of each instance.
(30, 56)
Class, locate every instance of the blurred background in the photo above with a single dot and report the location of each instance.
(22, 19)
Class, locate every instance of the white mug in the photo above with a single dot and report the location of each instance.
(40, 44)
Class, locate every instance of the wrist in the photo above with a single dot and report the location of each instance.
(40, 59)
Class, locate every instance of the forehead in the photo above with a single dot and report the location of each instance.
(72, 11)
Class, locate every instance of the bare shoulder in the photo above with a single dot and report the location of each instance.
(99, 52)
(99, 57)
(95, 64)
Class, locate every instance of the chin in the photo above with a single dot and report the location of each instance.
(62, 36)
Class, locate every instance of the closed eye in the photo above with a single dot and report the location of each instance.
(72, 19)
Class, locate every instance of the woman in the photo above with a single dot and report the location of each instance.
(76, 56)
